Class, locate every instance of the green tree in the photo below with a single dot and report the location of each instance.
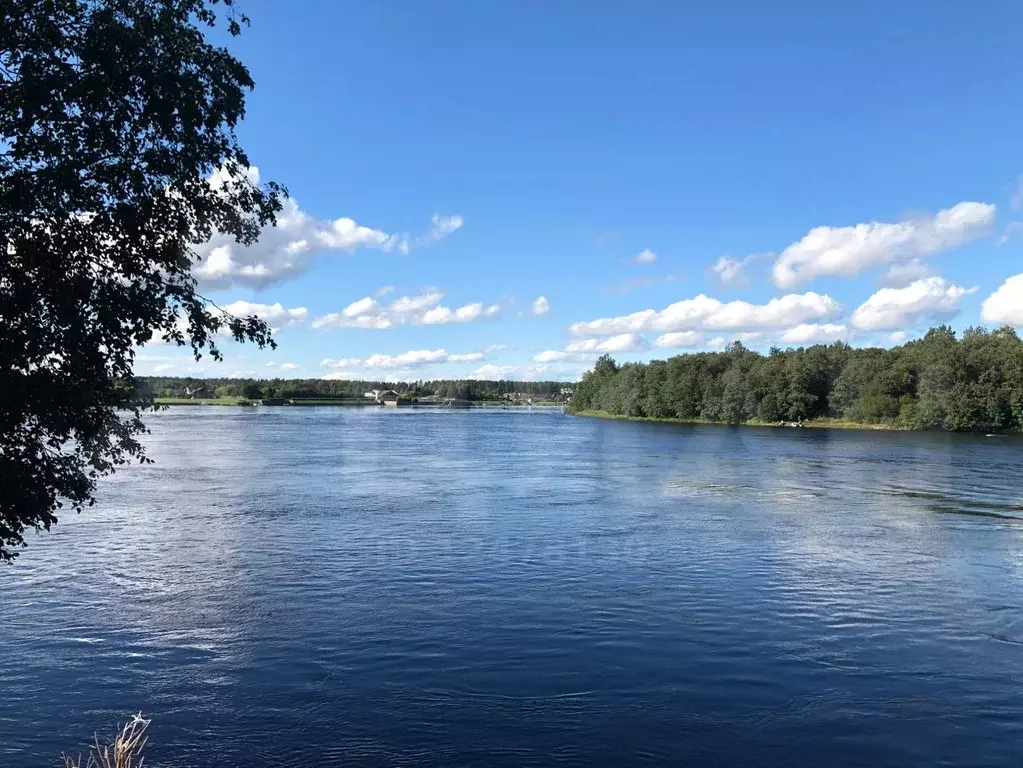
(114, 117)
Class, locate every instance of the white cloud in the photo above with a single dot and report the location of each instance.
(163, 367)
(1005, 306)
(704, 313)
(718, 342)
(495, 348)
(677, 339)
(928, 300)
(468, 313)
(590, 348)
(359, 307)
(731, 272)
(646, 256)
(416, 358)
(495, 372)
(412, 359)
(529, 373)
(289, 367)
(541, 306)
(283, 251)
(340, 376)
(274, 315)
(423, 309)
(901, 275)
(814, 333)
(898, 337)
(385, 291)
(442, 227)
(344, 362)
(848, 251)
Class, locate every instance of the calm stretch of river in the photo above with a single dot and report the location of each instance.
(291, 586)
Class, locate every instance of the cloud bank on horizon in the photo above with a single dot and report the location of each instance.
(909, 300)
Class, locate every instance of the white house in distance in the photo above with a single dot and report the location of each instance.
(379, 395)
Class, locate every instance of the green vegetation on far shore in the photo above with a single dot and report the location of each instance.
(241, 401)
(175, 390)
(942, 382)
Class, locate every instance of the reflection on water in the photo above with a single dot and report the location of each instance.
(311, 586)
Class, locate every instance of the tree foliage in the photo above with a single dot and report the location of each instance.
(118, 155)
(940, 382)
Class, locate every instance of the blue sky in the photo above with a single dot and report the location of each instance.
(792, 172)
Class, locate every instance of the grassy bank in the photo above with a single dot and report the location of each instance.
(815, 424)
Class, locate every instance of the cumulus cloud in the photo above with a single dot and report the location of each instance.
(932, 299)
(163, 367)
(901, 275)
(898, 337)
(1005, 306)
(590, 348)
(495, 348)
(705, 313)
(848, 251)
(289, 367)
(732, 272)
(646, 256)
(677, 339)
(274, 315)
(344, 362)
(422, 309)
(495, 372)
(541, 306)
(814, 333)
(340, 376)
(464, 314)
(417, 358)
(283, 251)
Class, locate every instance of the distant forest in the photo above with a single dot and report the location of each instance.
(326, 389)
(940, 382)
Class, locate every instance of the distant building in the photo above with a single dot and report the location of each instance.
(382, 395)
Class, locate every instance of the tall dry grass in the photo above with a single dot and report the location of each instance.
(124, 752)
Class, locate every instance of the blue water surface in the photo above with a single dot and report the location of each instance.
(320, 586)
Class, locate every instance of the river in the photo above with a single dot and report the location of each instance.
(318, 586)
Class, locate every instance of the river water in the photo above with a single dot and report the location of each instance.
(292, 586)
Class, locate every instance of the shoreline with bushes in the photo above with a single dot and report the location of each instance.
(940, 382)
(814, 424)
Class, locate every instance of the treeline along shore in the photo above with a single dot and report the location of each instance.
(175, 389)
(972, 383)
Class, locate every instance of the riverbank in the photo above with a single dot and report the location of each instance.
(815, 424)
(357, 402)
